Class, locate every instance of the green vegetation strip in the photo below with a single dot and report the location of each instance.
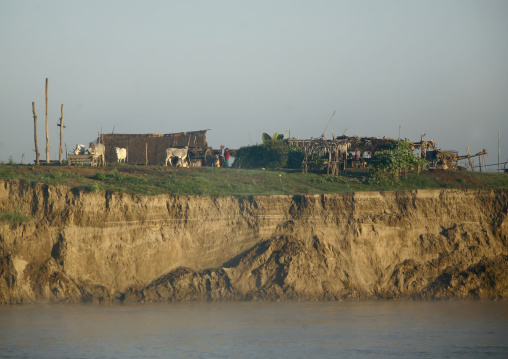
(14, 218)
(151, 180)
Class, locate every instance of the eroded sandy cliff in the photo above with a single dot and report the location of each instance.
(83, 246)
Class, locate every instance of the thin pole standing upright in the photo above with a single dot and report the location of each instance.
(47, 125)
(61, 134)
(37, 154)
(498, 151)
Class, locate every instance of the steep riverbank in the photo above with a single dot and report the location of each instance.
(103, 246)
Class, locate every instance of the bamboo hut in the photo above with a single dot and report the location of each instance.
(151, 148)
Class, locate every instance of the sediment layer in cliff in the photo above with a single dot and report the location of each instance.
(101, 247)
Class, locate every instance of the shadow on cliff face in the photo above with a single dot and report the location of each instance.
(286, 268)
(279, 268)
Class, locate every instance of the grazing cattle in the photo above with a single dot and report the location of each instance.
(98, 151)
(121, 154)
(180, 153)
(79, 150)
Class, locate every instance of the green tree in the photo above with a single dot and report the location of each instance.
(274, 153)
(276, 137)
(392, 161)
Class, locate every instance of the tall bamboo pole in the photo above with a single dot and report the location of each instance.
(47, 125)
(471, 164)
(37, 154)
(61, 134)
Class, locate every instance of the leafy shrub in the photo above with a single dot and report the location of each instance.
(100, 176)
(117, 176)
(276, 137)
(271, 154)
(399, 157)
(93, 187)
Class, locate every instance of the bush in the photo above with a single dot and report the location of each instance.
(271, 154)
(399, 157)
(250, 157)
(100, 176)
(93, 187)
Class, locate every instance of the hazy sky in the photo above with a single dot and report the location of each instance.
(241, 68)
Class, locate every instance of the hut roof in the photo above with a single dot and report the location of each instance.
(345, 143)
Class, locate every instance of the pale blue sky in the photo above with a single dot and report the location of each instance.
(241, 68)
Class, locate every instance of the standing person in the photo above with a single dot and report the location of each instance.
(221, 156)
(226, 158)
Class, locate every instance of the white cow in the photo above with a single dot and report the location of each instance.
(98, 151)
(79, 150)
(121, 154)
(181, 153)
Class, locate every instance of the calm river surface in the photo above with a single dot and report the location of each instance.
(350, 329)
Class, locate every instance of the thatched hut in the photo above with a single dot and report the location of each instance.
(151, 148)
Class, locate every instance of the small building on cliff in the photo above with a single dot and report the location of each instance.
(151, 148)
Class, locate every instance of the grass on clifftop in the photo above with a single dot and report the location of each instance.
(150, 180)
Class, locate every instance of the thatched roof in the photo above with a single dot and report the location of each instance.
(369, 144)
(342, 144)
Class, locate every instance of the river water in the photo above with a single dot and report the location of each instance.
(347, 329)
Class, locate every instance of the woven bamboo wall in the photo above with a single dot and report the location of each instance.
(152, 147)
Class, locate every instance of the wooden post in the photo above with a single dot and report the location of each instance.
(61, 134)
(47, 125)
(37, 154)
(345, 162)
(471, 164)
(146, 154)
(498, 152)
(421, 148)
(328, 167)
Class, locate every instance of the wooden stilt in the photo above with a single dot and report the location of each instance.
(61, 135)
(47, 125)
(37, 154)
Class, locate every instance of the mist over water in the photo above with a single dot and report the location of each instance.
(355, 329)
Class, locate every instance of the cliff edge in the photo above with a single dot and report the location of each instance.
(104, 246)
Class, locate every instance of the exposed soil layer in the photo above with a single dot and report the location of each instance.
(104, 246)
